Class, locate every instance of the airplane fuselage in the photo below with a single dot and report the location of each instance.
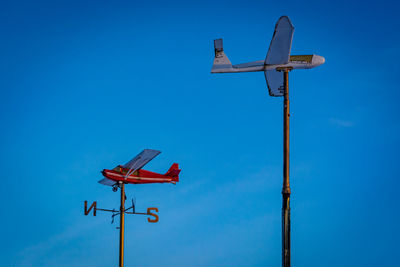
(296, 62)
(118, 174)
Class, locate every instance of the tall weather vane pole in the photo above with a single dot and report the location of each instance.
(276, 67)
(286, 184)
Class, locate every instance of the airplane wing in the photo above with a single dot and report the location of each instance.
(274, 80)
(106, 181)
(141, 159)
(279, 49)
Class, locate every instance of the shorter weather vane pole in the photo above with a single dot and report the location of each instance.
(121, 225)
(122, 211)
(132, 173)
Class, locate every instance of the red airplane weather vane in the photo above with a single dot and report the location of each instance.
(132, 173)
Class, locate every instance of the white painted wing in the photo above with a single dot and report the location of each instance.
(106, 181)
(274, 80)
(141, 159)
(279, 49)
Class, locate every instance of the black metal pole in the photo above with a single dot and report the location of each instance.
(286, 185)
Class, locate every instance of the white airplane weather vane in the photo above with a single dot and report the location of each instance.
(278, 58)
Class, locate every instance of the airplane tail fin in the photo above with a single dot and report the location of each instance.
(174, 172)
(221, 62)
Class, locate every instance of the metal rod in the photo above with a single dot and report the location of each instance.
(126, 212)
(139, 213)
(286, 185)
(106, 210)
(121, 226)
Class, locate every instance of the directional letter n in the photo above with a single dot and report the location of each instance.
(87, 211)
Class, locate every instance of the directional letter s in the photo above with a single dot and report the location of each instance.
(152, 214)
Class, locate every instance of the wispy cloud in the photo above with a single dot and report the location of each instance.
(57, 249)
(341, 123)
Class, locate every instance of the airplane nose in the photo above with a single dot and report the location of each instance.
(318, 60)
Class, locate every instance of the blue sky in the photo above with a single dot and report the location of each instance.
(87, 85)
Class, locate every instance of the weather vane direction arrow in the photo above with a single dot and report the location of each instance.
(126, 211)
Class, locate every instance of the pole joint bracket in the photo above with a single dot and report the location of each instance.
(286, 191)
